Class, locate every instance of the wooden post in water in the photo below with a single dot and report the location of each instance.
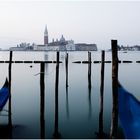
(10, 112)
(114, 121)
(101, 95)
(89, 69)
(56, 132)
(66, 64)
(89, 84)
(42, 101)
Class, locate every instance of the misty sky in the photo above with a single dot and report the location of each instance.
(83, 21)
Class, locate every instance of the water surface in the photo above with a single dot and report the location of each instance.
(78, 106)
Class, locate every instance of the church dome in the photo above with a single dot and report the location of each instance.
(62, 39)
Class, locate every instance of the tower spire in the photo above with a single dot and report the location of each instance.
(46, 31)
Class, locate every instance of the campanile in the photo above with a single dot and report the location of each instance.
(46, 36)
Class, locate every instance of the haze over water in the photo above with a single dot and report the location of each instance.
(83, 21)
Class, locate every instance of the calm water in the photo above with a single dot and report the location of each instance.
(78, 107)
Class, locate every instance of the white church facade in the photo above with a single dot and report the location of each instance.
(56, 45)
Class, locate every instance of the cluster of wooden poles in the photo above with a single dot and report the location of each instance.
(42, 98)
(114, 121)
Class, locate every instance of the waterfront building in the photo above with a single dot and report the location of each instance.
(39, 47)
(22, 47)
(85, 47)
(128, 48)
(56, 45)
(65, 45)
(70, 46)
(61, 45)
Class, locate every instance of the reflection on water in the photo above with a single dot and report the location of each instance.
(69, 111)
(56, 125)
(67, 103)
(90, 103)
(42, 101)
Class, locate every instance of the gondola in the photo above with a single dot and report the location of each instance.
(129, 113)
(4, 94)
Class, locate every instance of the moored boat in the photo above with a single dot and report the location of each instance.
(4, 94)
(129, 113)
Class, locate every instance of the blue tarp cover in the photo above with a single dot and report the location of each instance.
(129, 114)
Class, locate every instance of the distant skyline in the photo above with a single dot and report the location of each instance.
(83, 21)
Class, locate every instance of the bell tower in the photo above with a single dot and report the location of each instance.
(46, 36)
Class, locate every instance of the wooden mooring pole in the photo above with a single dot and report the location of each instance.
(67, 101)
(101, 95)
(89, 69)
(42, 101)
(89, 84)
(56, 131)
(66, 65)
(114, 121)
(10, 110)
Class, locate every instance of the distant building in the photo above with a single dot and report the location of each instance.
(70, 46)
(22, 47)
(61, 45)
(17, 49)
(56, 45)
(136, 47)
(85, 47)
(39, 47)
(129, 48)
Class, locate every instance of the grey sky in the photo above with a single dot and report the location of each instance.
(83, 21)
